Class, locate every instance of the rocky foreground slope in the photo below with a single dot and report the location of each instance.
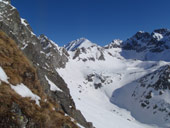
(23, 103)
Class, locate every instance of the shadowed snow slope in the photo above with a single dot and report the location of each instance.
(148, 98)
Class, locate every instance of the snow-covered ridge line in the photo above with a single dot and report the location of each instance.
(79, 43)
(157, 34)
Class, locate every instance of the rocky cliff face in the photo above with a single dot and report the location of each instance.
(56, 56)
(23, 103)
(45, 55)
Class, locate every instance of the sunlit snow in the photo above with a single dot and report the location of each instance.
(24, 91)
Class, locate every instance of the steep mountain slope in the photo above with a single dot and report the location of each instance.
(44, 55)
(23, 102)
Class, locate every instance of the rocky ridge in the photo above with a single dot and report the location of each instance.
(144, 46)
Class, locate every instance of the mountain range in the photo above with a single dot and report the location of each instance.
(123, 84)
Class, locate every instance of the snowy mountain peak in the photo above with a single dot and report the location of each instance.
(114, 44)
(137, 42)
(141, 34)
(79, 43)
(117, 41)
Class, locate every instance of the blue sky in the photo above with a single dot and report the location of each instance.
(100, 21)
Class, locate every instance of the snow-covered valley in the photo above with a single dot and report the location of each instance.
(93, 83)
(93, 101)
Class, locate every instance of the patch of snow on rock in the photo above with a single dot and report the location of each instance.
(3, 76)
(24, 91)
(53, 87)
(157, 36)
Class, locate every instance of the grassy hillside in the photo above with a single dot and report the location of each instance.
(17, 111)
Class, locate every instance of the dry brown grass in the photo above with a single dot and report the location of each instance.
(20, 70)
